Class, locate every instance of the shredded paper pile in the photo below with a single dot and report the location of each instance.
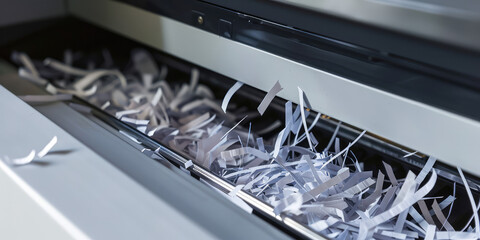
(323, 187)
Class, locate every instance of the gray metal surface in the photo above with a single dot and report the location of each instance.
(455, 22)
(449, 137)
(20, 212)
(107, 189)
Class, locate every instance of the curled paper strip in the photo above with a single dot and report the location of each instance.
(24, 160)
(31, 156)
(229, 95)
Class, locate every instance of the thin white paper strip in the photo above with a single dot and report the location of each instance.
(32, 78)
(425, 213)
(340, 153)
(238, 123)
(194, 77)
(410, 154)
(430, 234)
(64, 68)
(48, 147)
(135, 121)
(269, 97)
(229, 95)
(24, 160)
(333, 137)
(25, 59)
(126, 112)
(301, 96)
(188, 164)
(438, 212)
(390, 174)
(429, 165)
(156, 97)
(105, 105)
(472, 202)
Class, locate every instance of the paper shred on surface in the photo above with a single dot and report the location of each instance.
(23, 160)
(188, 164)
(33, 154)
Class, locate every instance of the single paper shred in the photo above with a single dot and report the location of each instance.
(410, 154)
(430, 234)
(269, 97)
(22, 72)
(323, 187)
(441, 217)
(105, 105)
(27, 62)
(229, 95)
(188, 164)
(24, 160)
